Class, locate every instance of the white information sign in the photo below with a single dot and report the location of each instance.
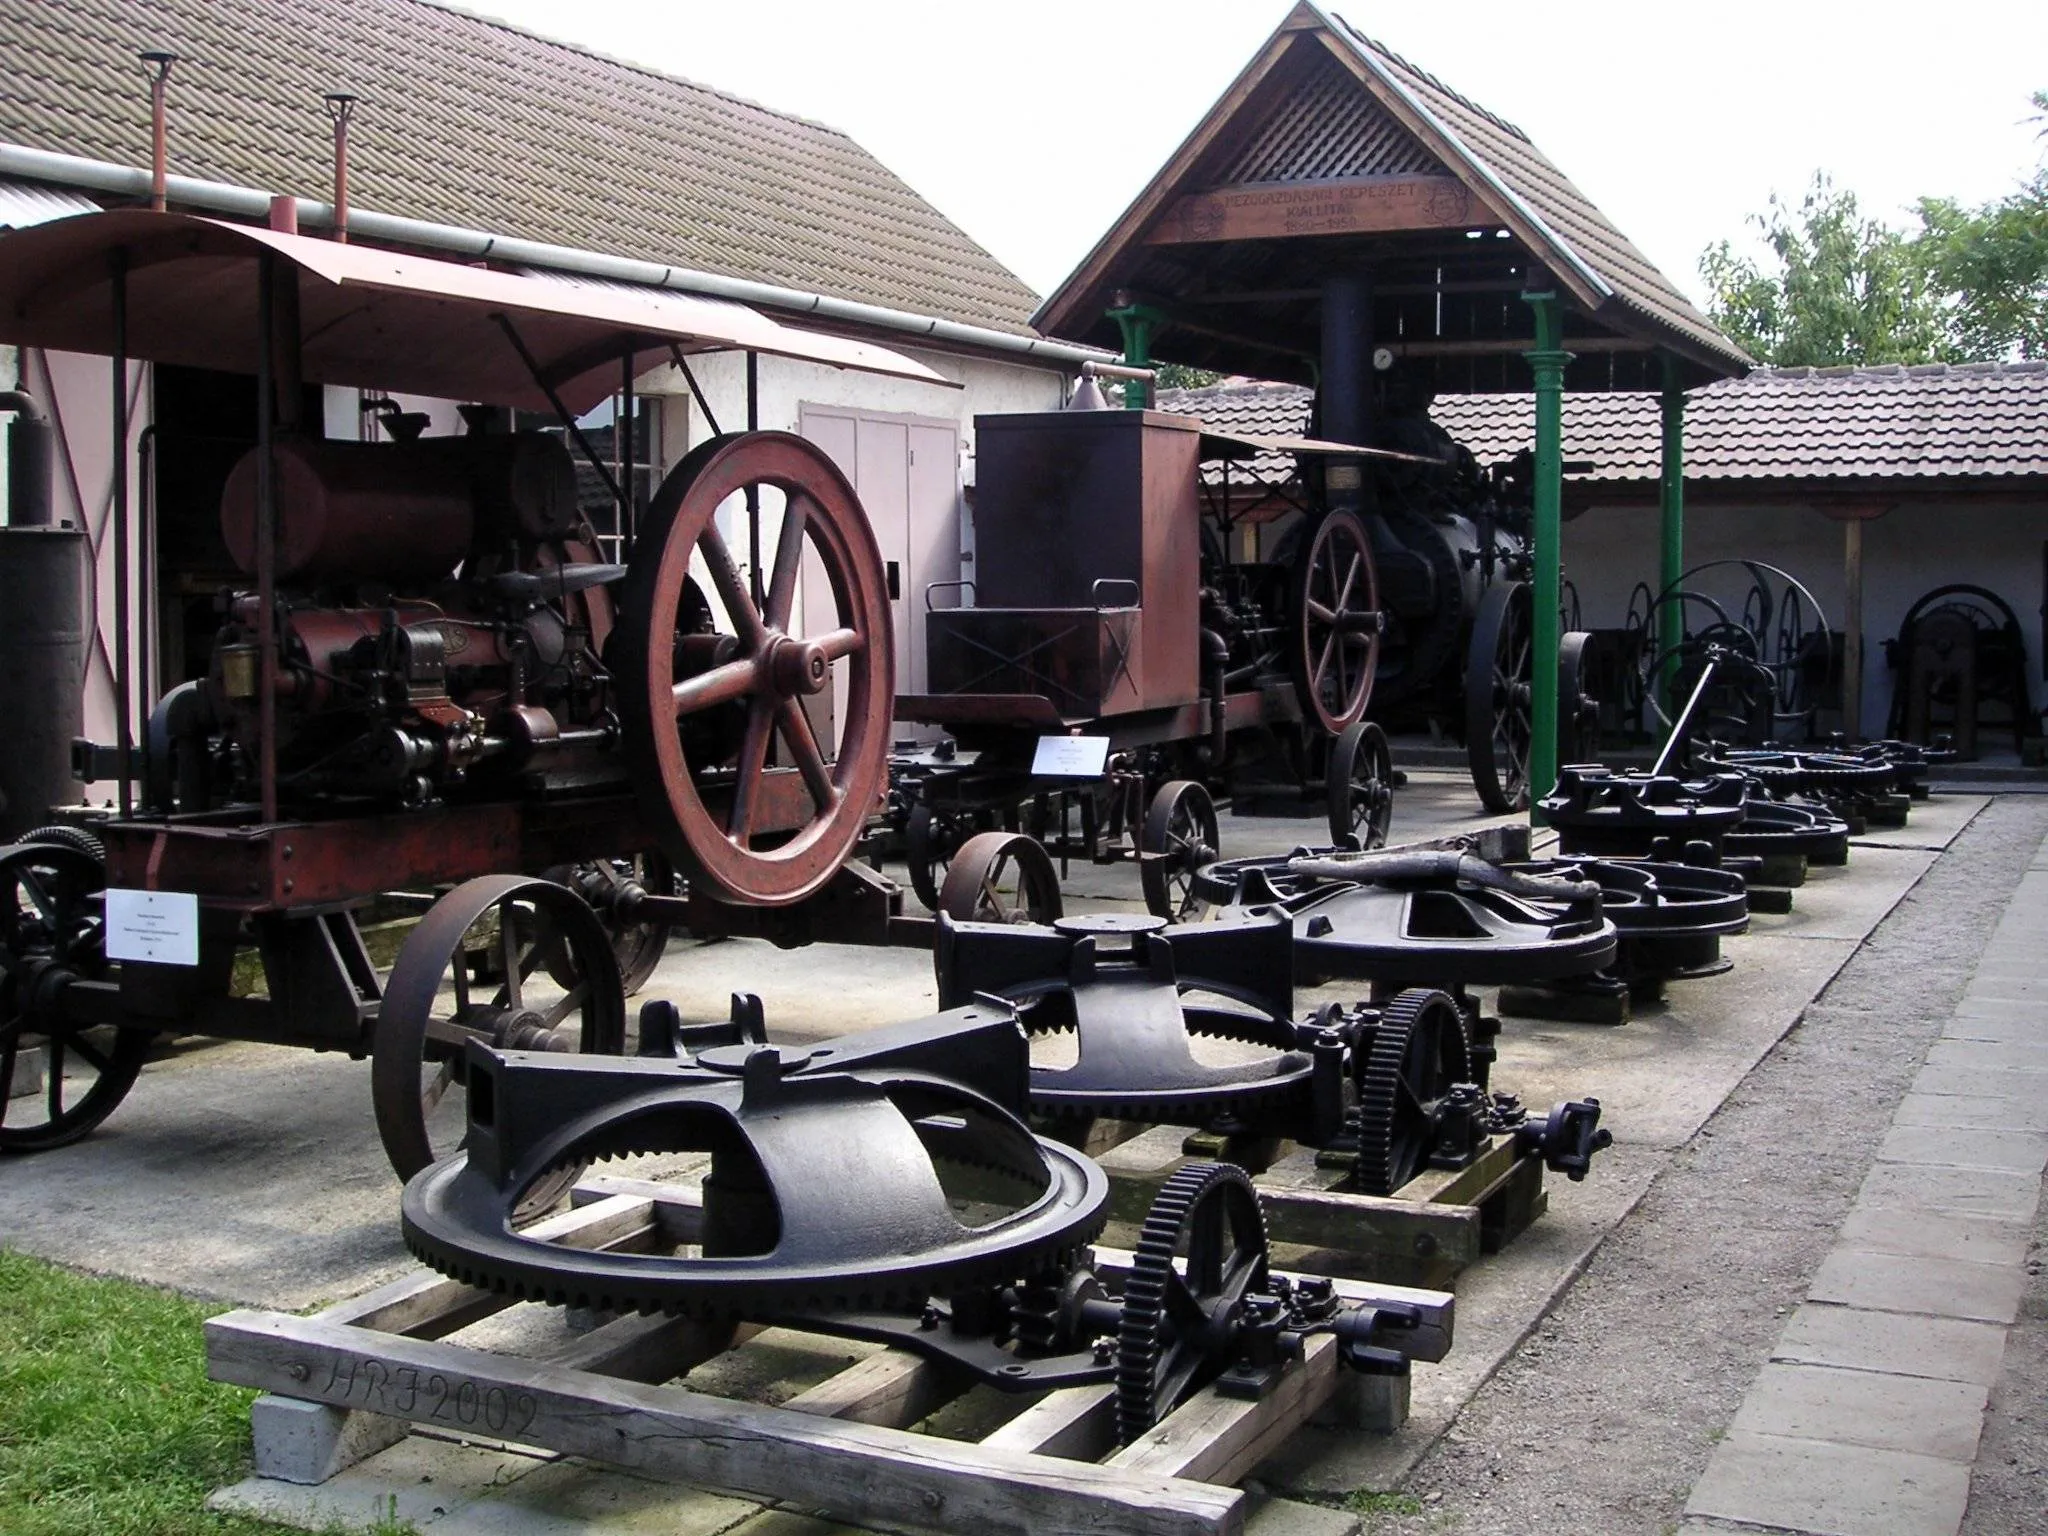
(161, 926)
(1071, 757)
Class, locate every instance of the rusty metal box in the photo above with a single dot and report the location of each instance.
(1084, 661)
(1078, 510)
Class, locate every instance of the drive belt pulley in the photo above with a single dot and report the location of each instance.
(1642, 815)
(868, 1172)
(1670, 918)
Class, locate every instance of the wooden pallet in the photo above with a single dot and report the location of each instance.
(1438, 1224)
(841, 1448)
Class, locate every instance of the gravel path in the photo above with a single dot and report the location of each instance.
(1604, 1419)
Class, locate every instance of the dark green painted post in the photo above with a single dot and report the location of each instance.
(1137, 322)
(1547, 361)
(1671, 534)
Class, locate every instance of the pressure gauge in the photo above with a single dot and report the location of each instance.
(1382, 358)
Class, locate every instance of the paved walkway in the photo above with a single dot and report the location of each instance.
(1866, 1420)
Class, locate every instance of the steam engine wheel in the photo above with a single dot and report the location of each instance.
(1337, 622)
(765, 667)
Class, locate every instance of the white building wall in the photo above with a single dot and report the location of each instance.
(1908, 552)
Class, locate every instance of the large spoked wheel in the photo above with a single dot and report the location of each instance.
(611, 887)
(1001, 877)
(1173, 1334)
(519, 963)
(931, 838)
(727, 825)
(58, 1078)
(1498, 707)
(1337, 622)
(1180, 837)
(1418, 1052)
(1360, 784)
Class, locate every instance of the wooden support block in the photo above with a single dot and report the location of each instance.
(1218, 1439)
(894, 1388)
(1773, 899)
(1254, 1154)
(1075, 1422)
(868, 1475)
(1378, 1404)
(1786, 869)
(650, 1349)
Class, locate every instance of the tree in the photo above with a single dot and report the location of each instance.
(1969, 283)
(1845, 289)
(1993, 263)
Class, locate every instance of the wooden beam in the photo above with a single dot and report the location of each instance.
(870, 1476)
(1343, 205)
(894, 1387)
(1076, 1422)
(1218, 1439)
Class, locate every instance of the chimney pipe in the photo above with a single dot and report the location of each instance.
(341, 106)
(284, 213)
(157, 65)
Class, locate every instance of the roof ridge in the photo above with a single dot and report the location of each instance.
(1427, 78)
(461, 8)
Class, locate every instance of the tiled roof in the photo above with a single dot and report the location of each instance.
(1937, 421)
(1579, 229)
(470, 122)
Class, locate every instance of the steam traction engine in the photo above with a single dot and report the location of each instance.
(428, 676)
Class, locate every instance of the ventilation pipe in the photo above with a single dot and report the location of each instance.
(341, 106)
(157, 65)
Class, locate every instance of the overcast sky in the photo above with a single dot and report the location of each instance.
(1033, 123)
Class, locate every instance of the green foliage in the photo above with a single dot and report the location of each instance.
(1181, 376)
(107, 1421)
(1845, 289)
(1839, 288)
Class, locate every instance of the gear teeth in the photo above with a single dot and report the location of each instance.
(1387, 1151)
(1141, 1341)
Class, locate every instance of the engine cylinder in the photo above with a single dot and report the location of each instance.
(356, 512)
(43, 635)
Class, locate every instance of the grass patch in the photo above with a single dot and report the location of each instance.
(107, 1421)
(1374, 1505)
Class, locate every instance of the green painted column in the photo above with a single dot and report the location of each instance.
(1671, 531)
(1137, 322)
(1547, 360)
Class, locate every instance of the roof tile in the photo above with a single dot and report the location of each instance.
(471, 122)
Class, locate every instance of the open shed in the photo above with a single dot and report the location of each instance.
(1344, 220)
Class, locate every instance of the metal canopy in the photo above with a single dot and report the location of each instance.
(1237, 446)
(374, 318)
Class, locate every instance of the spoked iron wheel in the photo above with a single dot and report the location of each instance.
(1498, 727)
(1578, 714)
(1360, 784)
(1001, 877)
(932, 837)
(1417, 1053)
(609, 885)
(519, 963)
(741, 844)
(1337, 622)
(1180, 829)
(1176, 1323)
(51, 933)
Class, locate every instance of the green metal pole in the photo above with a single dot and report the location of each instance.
(1137, 322)
(1547, 361)
(1671, 534)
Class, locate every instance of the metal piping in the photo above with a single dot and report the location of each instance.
(31, 454)
(341, 107)
(157, 65)
(474, 244)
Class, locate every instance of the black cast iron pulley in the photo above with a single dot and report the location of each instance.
(52, 935)
(1777, 828)
(507, 960)
(1597, 810)
(1424, 918)
(1780, 771)
(1137, 995)
(868, 1172)
(1670, 917)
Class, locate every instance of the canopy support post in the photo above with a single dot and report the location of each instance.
(1671, 530)
(124, 682)
(1547, 361)
(1852, 629)
(1137, 322)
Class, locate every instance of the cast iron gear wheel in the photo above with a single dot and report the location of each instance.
(1419, 1050)
(1174, 1334)
(68, 837)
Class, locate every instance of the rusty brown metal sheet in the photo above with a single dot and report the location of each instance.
(1249, 445)
(373, 318)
